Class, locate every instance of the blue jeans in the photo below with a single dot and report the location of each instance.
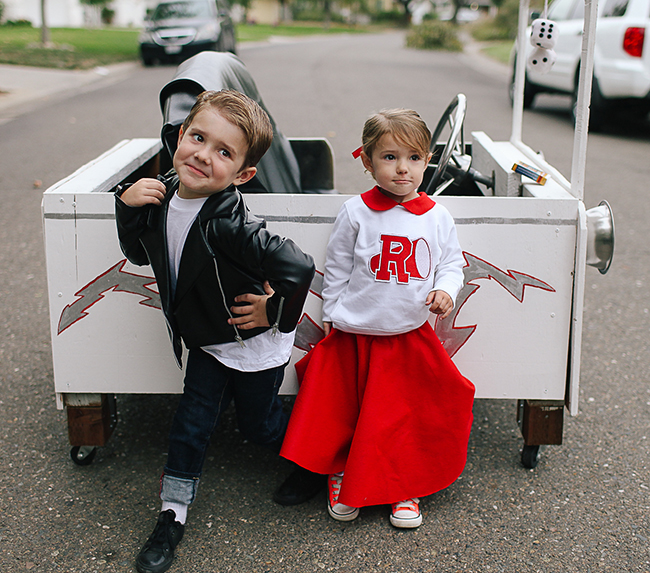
(209, 388)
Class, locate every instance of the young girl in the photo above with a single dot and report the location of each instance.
(382, 409)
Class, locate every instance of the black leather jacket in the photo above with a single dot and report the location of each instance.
(228, 252)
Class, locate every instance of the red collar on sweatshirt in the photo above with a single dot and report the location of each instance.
(377, 201)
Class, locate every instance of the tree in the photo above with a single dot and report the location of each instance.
(45, 31)
(407, 10)
(458, 4)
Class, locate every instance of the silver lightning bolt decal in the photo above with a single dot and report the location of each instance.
(454, 337)
(113, 279)
(308, 333)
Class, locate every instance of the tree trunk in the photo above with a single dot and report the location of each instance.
(45, 31)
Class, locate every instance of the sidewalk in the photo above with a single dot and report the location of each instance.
(21, 87)
(474, 57)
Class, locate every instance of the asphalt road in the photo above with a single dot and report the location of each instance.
(583, 509)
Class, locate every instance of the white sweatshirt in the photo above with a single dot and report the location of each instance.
(383, 258)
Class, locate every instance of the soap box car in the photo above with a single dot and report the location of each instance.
(526, 246)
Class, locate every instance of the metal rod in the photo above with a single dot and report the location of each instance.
(579, 161)
(520, 73)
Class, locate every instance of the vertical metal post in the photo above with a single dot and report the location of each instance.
(520, 74)
(579, 161)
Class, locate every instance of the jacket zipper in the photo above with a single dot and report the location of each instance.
(276, 324)
(238, 337)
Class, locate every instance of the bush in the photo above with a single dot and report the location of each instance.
(389, 17)
(502, 27)
(316, 15)
(434, 35)
(430, 16)
(18, 23)
(108, 15)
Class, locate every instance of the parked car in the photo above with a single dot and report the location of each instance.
(621, 61)
(178, 30)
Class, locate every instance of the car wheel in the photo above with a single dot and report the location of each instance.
(147, 62)
(598, 110)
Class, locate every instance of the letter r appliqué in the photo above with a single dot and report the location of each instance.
(402, 258)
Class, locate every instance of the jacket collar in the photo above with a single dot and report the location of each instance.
(217, 205)
(377, 201)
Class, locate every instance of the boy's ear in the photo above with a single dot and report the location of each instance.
(367, 162)
(180, 136)
(429, 158)
(245, 175)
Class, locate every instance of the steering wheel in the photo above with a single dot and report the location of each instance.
(455, 146)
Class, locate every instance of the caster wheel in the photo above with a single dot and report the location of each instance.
(83, 455)
(530, 456)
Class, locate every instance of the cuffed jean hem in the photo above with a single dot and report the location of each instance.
(178, 490)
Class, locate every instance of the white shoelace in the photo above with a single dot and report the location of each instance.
(335, 484)
(408, 504)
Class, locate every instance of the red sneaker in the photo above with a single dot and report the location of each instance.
(337, 510)
(406, 513)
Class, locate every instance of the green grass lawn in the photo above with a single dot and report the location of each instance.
(499, 50)
(78, 48)
(74, 48)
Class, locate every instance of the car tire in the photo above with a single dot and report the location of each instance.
(598, 110)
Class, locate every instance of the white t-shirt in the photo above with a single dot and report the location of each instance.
(264, 351)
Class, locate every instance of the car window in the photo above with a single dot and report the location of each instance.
(562, 10)
(614, 8)
(170, 10)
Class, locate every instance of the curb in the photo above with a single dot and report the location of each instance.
(22, 86)
(474, 58)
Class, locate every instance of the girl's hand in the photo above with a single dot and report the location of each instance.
(144, 192)
(439, 302)
(253, 314)
(327, 328)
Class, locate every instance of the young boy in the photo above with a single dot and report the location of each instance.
(230, 289)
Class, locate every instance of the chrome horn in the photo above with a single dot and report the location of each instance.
(600, 237)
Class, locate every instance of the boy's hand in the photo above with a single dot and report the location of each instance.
(439, 302)
(144, 192)
(253, 314)
(327, 328)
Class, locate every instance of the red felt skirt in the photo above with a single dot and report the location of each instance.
(393, 412)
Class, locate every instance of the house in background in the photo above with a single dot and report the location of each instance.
(128, 13)
(74, 14)
(131, 13)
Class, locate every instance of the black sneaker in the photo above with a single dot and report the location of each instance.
(157, 553)
(300, 486)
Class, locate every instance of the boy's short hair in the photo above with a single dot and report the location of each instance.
(242, 111)
(405, 125)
